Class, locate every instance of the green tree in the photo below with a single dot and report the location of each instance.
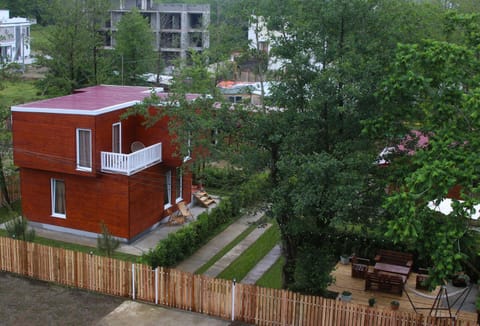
(26, 8)
(433, 87)
(335, 58)
(71, 52)
(134, 48)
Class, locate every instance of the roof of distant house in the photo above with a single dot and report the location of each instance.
(93, 100)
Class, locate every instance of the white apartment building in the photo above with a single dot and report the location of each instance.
(14, 38)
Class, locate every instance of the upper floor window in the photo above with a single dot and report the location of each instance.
(116, 137)
(57, 188)
(84, 149)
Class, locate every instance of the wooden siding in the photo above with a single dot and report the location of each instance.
(45, 148)
(88, 201)
(197, 293)
(48, 141)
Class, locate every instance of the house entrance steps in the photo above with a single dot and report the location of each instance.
(263, 265)
(205, 253)
(236, 251)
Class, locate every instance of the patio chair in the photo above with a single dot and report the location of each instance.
(360, 267)
(184, 211)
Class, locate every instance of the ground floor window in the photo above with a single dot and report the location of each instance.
(58, 198)
(179, 184)
(167, 191)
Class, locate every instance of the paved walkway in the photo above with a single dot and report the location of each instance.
(263, 265)
(140, 246)
(134, 313)
(204, 254)
(236, 251)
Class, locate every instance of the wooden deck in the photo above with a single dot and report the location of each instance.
(344, 282)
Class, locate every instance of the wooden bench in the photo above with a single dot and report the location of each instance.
(395, 258)
(389, 283)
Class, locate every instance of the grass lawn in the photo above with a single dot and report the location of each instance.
(225, 249)
(240, 267)
(273, 277)
(17, 92)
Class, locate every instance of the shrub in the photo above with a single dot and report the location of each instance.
(17, 228)
(221, 178)
(106, 243)
(191, 237)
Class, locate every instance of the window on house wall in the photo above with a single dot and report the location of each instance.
(189, 148)
(117, 137)
(58, 198)
(263, 46)
(214, 136)
(179, 184)
(167, 191)
(84, 149)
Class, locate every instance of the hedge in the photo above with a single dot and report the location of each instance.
(183, 243)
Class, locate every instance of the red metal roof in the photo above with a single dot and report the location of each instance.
(93, 100)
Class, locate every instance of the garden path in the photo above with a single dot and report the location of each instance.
(263, 265)
(236, 251)
(205, 253)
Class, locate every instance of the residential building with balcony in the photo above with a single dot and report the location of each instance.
(178, 27)
(14, 38)
(81, 164)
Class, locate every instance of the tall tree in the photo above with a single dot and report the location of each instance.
(433, 87)
(73, 42)
(335, 56)
(134, 48)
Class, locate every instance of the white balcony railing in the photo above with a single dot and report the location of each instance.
(131, 163)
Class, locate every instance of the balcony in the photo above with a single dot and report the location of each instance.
(132, 163)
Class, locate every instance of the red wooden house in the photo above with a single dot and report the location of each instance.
(81, 164)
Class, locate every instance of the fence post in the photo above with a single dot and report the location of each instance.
(133, 281)
(233, 299)
(156, 285)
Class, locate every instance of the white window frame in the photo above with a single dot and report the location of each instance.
(189, 148)
(119, 140)
(81, 167)
(179, 184)
(168, 183)
(53, 190)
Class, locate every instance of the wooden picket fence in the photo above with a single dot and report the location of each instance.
(13, 188)
(197, 293)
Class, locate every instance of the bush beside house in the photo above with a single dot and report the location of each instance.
(183, 243)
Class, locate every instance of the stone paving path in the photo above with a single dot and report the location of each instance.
(204, 254)
(236, 251)
(263, 265)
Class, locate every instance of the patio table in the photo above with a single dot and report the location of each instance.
(390, 268)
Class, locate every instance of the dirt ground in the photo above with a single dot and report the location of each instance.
(25, 301)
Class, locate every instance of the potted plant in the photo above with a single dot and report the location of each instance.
(346, 296)
(371, 302)
(344, 259)
(394, 304)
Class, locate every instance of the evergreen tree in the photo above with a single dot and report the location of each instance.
(134, 50)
